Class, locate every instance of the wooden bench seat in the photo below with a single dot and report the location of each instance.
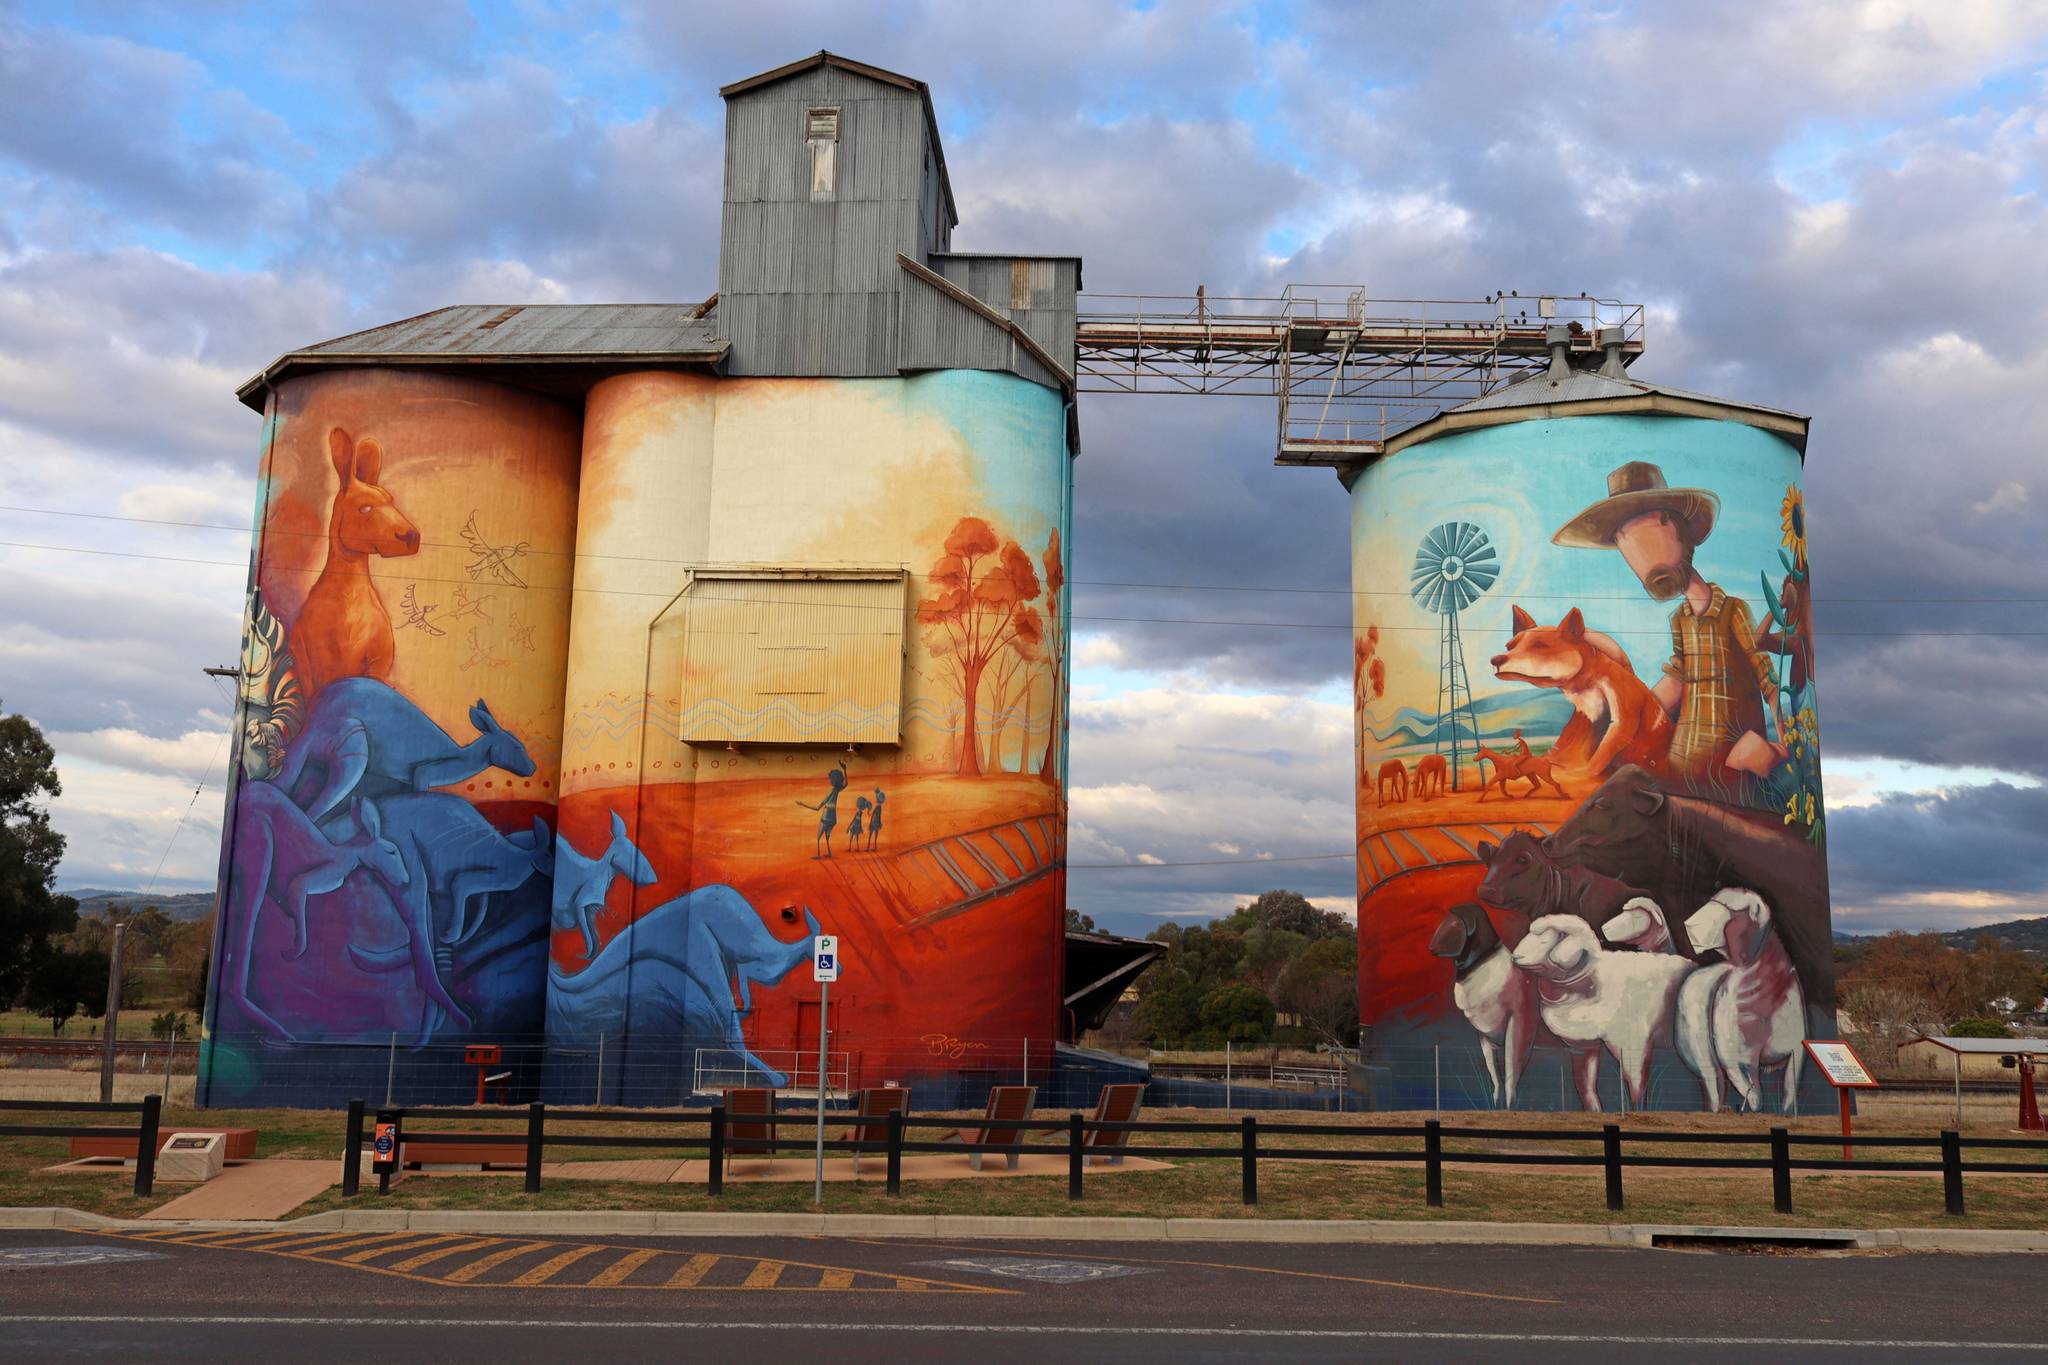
(473, 1149)
(241, 1143)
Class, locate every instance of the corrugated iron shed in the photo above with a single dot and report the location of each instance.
(534, 338)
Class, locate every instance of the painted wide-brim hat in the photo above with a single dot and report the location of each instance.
(1635, 488)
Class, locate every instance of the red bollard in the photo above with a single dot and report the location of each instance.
(2030, 1109)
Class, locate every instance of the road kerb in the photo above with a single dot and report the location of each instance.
(653, 1223)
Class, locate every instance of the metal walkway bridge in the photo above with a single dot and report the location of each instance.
(1348, 370)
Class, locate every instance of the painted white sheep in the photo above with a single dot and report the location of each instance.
(1592, 998)
(1755, 1012)
(1497, 1000)
(1641, 925)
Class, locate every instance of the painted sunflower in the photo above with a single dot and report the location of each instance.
(1792, 520)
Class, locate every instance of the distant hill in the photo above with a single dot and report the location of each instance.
(94, 900)
(2031, 934)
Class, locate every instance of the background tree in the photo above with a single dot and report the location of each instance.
(68, 982)
(980, 587)
(1078, 923)
(1055, 650)
(1320, 987)
(1236, 1013)
(31, 911)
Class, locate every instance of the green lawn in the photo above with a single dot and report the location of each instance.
(1190, 1188)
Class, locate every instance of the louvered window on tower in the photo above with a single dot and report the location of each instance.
(821, 136)
(786, 655)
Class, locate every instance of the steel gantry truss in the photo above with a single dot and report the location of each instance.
(1348, 370)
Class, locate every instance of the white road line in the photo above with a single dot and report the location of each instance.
(1022, 1329)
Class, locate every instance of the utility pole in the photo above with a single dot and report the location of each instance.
(113, 1015)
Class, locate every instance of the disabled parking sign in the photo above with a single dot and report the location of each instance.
(825, 957)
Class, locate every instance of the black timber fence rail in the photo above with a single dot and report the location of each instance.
(710, 1131)
(148, 1113)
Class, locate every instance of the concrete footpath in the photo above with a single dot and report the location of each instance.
(650, 1223)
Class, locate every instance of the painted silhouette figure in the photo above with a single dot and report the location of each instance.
(853, 831)
(875, 820)
(828, 811)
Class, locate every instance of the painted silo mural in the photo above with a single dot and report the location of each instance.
(386, 870)
(815, 685)
(1592, 843)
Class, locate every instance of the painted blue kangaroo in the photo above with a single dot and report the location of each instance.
(361, 728)
(282, 857)
(581, 882)
(452, 856)
(682, 960)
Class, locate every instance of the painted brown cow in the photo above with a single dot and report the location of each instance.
(1682, 851)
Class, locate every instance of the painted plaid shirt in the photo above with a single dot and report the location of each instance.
(1726, 676)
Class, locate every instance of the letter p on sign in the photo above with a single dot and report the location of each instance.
(825, 957)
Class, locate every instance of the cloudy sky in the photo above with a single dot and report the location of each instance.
(1832, 206)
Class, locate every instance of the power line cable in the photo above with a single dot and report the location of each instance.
(1280, 589)
(854, 606)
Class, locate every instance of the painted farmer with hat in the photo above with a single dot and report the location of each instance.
(1717, 678)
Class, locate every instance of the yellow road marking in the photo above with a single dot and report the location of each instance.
(483, 1265)
(618, 1270)
(1222, 1265)
(692, 1271)
(764, 1275)
(355, 1245)
(358, 1257)
(417, 1250)
(439, 1253)
(556, 1264)
(298, 1241)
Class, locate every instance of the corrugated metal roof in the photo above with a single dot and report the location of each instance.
(1583, 393)
(1586, 386)
(1994, 1047)
(525, 334)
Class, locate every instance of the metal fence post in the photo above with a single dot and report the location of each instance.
(1781, 1171)
(1952, 1171)
(390, 1070)
(894, 1158)
(1248, 1146)
(352, 1151)
(1433, 1163)
(536, 1128)
(145, 1143)
(1437, 1070)
(717, 1149)
(1610, 1144)
(1077, 1156)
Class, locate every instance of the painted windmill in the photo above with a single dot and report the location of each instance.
(1454, 565)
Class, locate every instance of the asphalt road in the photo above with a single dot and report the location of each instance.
(418, 1297)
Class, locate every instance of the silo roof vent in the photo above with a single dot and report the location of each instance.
(1558, 336)
(1611, 342)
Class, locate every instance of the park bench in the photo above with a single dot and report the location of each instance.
(241, 1144)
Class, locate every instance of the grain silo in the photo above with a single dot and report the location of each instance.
(398, 750)
(815, 532)
(1583, 672)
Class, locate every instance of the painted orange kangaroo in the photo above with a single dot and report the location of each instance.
(343, 630)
